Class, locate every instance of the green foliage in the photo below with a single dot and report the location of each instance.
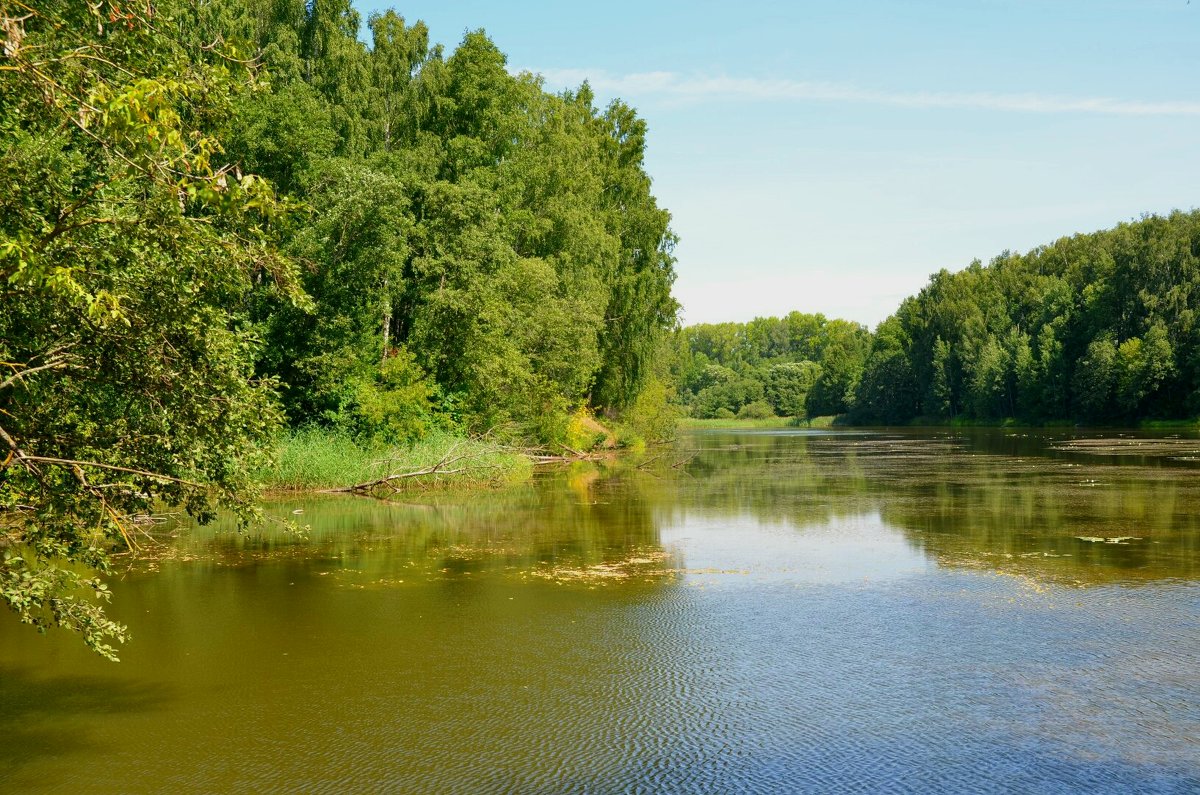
(583, 432)
(729, 396)
(128, 247)
(788, 384)
(505, 236)
(800, 364)
(654, 416)
(1088, 328)
(1095, 377)
(887, 392)
(393, 404)
(756, 410)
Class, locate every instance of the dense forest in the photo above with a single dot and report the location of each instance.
(218, 219)
(797, 366)
(1096, 328)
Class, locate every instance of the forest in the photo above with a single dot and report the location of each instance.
(1097, 329)
(220, 220)
(797, 366)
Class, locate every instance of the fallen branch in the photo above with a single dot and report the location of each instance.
(540, 458)
(444, 466)
(649, 461)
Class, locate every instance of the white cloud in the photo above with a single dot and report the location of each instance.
(675, 86)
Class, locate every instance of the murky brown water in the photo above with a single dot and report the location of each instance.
(785, 612)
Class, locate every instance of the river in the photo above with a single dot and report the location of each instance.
(751, 611)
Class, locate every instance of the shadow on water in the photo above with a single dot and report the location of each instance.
(40, 715)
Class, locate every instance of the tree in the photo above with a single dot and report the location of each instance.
(887, 391)
(126, 252)
(1094, 379)
(989, 393)
(943, 380)
(398, 51)
(843, 356)
(788, 385)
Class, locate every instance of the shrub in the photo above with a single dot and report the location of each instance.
(758, 410)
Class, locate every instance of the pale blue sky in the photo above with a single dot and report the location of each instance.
(829, 156)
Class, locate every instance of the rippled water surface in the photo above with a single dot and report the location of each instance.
(794, 611)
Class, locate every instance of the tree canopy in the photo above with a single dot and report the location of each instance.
(800, 365)
(220, 218)
(1095, 328)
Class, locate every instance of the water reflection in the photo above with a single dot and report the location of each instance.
(820, 505)
(1043, 504)
(785, 612)
(810, 505)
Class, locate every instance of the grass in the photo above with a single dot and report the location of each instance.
(312, 459)
(1170, 425)
(769, 422)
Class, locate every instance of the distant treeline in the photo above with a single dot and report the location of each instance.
(1095, 328)
(797, 366)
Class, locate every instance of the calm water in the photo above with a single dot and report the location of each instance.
(782, 612)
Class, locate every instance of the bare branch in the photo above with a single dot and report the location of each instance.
(69, 462)
(54, 364)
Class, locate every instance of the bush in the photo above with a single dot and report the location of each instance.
(583, 432)
(723, 414)
(758, 410)
(395, 405)
(653, 416)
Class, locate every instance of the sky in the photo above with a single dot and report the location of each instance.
(829, 156)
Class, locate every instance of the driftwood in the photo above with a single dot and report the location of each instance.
(540, 457)
(454, 463)
(667, 460)
(451, 463)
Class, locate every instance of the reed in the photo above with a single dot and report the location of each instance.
(313, 459)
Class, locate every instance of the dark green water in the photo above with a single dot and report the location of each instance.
(785, 612)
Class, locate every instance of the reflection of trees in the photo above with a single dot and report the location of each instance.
(1056, 525)
(577, 517)
(773, 476)
(987, 498)
(966, 498)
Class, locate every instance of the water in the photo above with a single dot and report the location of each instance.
(756, 612)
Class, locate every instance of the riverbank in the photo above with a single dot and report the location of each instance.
(1013, 422)
(768, 422)
(319, 459)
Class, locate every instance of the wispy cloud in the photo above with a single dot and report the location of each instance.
(679, 87)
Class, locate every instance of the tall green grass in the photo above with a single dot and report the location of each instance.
(311, 459)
